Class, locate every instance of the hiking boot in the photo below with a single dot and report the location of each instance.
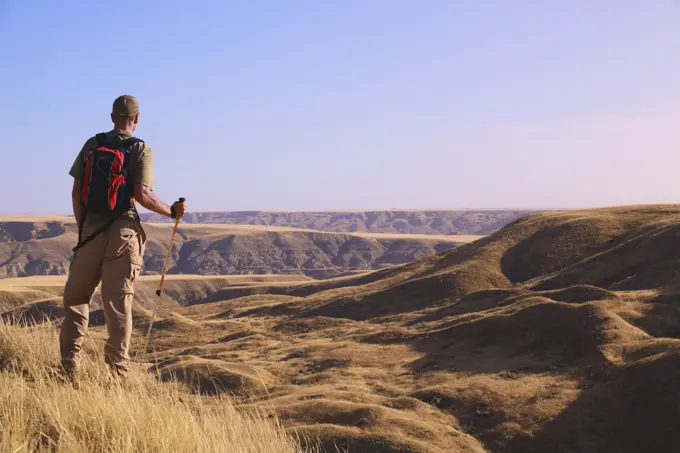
(69, 373)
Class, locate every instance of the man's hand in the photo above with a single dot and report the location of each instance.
(178, 209)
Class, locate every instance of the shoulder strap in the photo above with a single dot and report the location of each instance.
(132, 140)
(127, 144)
(101, 138)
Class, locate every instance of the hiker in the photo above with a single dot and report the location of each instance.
(112, 170)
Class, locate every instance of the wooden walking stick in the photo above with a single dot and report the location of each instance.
(160, 286)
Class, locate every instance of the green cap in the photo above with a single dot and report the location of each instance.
(125, 106)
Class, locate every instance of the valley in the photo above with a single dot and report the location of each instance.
(42, 246)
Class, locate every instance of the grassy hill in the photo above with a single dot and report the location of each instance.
(560, 333)
(41, 413)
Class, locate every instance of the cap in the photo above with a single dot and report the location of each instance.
(125, 106)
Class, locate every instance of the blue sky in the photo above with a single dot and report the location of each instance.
(350, 104)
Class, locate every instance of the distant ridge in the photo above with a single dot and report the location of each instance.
(460, 221)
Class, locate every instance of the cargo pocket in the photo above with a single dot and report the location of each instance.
(122, 260)
(123, 244)
(141, 238)
(129, 282)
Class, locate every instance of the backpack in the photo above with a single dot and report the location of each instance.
(105, 189)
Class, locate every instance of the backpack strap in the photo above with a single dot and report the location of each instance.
(128, 142)
(100, 230)
(101, 138)
(126, 146)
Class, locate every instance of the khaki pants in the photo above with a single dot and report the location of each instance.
(114, 257)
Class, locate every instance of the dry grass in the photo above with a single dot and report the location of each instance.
(39, 412)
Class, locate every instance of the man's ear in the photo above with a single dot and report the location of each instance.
(136, 118)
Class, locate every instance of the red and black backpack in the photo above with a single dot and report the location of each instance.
(105, 187)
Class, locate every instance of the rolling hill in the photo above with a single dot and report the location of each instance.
(560, 333)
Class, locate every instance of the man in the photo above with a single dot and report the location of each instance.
(114, 252)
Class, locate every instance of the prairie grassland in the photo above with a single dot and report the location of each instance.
(40, 412)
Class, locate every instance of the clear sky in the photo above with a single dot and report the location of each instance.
(352, 104)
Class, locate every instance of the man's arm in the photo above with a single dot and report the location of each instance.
(147, 198)
(142, 175)
(75, 200)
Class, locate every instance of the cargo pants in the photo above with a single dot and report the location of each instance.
(114, 258)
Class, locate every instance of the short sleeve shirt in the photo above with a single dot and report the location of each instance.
(140, 170)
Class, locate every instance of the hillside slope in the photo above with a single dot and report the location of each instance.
(559, 333)
(43, 247)
(478, 222)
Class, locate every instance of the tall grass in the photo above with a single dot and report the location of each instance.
(39, 412)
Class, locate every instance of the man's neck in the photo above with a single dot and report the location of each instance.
(125, 128)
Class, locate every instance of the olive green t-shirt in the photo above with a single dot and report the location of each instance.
(140, 170)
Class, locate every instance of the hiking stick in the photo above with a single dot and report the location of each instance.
(160, 286)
